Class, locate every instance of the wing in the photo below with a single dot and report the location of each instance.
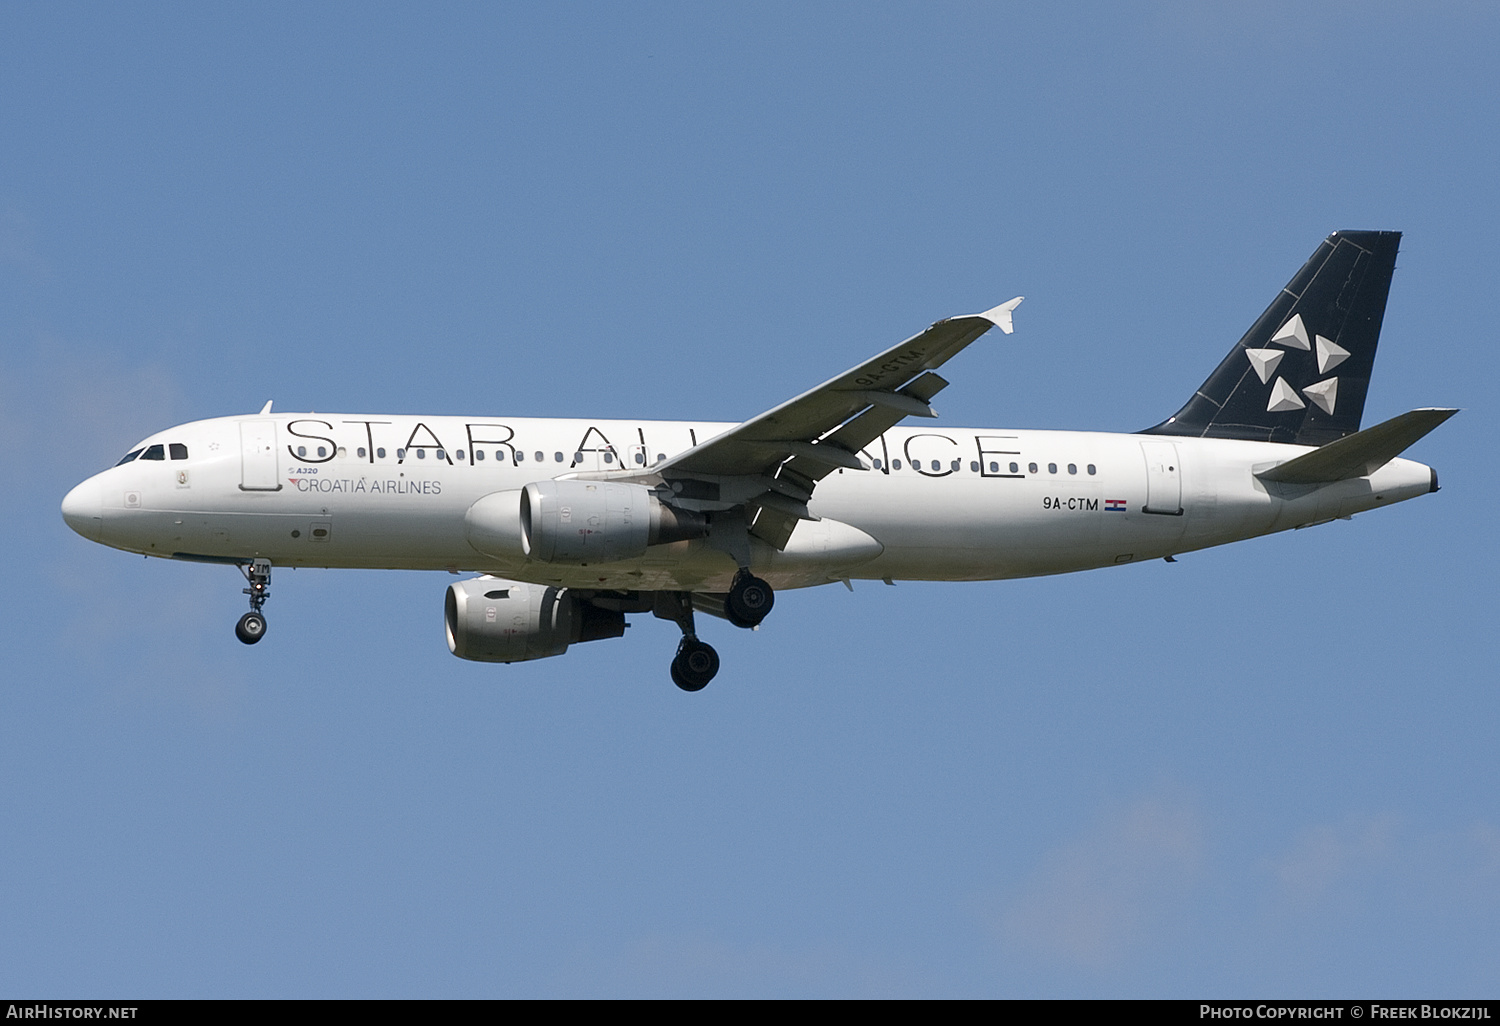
(770, 464)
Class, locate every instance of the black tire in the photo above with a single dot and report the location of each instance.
(695, 665)
(251, 628)
(749, 601)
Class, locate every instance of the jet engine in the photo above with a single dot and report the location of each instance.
(493, 620)
(599, 521)
(578, 522)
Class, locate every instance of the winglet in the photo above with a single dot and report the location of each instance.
(266, 408)
(1000, 315)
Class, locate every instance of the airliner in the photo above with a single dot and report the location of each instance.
(571, 525)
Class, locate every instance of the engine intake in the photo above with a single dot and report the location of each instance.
(493, 620)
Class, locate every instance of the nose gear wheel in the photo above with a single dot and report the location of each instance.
(251, 628)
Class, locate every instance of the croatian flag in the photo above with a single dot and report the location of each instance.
(1114, 505)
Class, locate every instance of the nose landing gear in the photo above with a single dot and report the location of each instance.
(252, 626)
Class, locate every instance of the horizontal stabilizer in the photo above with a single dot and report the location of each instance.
(1359, 454)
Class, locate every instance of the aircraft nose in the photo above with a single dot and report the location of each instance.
(83, 509)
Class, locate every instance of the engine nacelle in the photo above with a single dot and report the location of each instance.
(582, 522)
(577, 522)
(585, 521)
(493, 620)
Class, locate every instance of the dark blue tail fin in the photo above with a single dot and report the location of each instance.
(1301, 372)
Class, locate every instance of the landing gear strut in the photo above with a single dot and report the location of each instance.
(252, 626)
(696, 662)
(749, 600)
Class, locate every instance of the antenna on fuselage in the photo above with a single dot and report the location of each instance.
(266, 408)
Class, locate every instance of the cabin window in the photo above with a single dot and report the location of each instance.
(478, 455)
(421, 454)
(400, 454)
(936, 465)
(129, 456)
(460, 455)
(1031, 468)
(520, 456)
(1015, 468)
(1091, 470)
(895, 464)
(441, 455)
(322, 451)
(301, 451)
(540, 457)
(878, 465)
(1072, 468)
(341, 452)
(380, 453)
(660, 456)
(609, 457)
(640, 458)
(178, 451)
(1052, 468)
(974, 466)
(360, 452)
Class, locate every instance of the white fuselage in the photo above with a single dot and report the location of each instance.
(940, 503)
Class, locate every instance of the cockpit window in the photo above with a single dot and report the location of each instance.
(156, 452)
(178, 451)
(132, 454)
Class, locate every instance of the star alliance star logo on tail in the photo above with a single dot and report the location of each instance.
(1293, 335)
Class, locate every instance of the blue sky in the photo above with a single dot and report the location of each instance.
(1267, 768)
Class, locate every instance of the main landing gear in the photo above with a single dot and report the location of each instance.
(748, 601)
(696, 662)
(694, 665)
(252, 626)
(746, 605)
